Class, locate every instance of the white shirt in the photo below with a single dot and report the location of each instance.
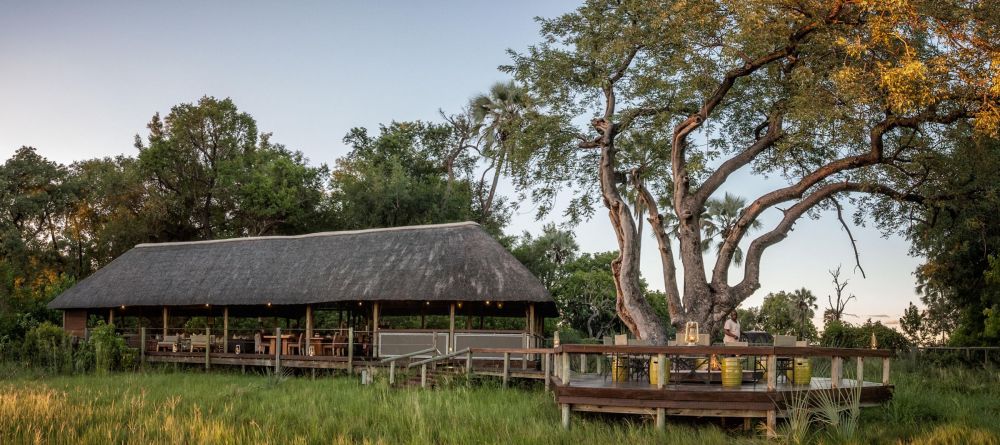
(731, 326)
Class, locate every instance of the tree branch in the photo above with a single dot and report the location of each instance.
(751, 279)
(674, 305)
(850, 236)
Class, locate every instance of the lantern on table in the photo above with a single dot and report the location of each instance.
(237, 349)
(311, 350)
(691, 333)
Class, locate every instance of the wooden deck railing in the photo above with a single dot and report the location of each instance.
(772, 353)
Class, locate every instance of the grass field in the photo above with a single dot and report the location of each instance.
(932, 407)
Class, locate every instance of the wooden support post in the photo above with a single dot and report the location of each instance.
(375, 342)
(746, 424)
(532, 332)
(524, 356)
(142, 346)
(451, 328)
(277, 351)
(423, 375)
(164, 323)
(565, 415)
(859, 375)
(772, 373)
(225, 329)
(506, 368)
(661, 419)
(583, 363)
(468, 363)
(564, 374)
(600, 364)
(309, 330)
(772, 420)
(546, 369)
(350, 351)
(111, 316)
(392, 373)
(885, 371)
(661, 370)
(836, 372)
(208, 346)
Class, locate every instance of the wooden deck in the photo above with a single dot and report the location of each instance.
(596, 393)
(687, 393)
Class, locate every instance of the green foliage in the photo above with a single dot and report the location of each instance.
(844, 335)
(110, 351)
(396, 178)
(785, 313)
(214, 176)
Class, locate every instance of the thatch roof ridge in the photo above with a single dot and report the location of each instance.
(312, 235)
(443, 262)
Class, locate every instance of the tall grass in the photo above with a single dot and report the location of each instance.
(931, 406)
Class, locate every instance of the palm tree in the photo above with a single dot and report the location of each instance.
(720, 218)
(497, 115)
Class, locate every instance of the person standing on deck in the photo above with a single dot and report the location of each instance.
(731, 330)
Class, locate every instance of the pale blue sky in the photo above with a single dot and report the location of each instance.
(80, 79)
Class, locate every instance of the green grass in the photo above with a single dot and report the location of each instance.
(932, 407)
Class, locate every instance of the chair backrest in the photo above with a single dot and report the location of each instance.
(704, 340)
(784, 340)
(199, 339)
(170, 339)
(621, 339)
(736, 343)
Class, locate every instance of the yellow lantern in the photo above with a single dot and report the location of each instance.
(691, 333)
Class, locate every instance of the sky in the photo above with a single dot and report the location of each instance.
(80, 79)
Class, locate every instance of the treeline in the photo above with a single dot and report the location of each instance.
(205, 171)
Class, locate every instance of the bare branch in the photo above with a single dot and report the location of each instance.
(850, 236)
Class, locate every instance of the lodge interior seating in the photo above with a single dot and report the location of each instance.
(199, 341)
(295, 346)
(167, 344)
(259, 347)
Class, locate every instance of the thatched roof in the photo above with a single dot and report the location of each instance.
(445, 262)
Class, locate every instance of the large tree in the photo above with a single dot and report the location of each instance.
(835, 96)
(215, 176)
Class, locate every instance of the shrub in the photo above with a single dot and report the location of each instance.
(109, 349)
(844, 335)
(48, 346)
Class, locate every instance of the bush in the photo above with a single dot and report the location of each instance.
(109, 349)
(844, 335)
(47, 346)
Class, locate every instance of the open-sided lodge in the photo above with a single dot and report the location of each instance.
(363, 277)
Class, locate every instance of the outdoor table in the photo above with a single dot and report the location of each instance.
(284, 342)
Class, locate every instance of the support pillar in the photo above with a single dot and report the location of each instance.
(309, 329)
(451, 328)
(375, 342)
(111, 316)
(225, 329)
(165, 319)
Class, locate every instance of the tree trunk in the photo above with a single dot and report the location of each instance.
(631, 304)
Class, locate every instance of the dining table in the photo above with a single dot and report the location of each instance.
(285, 340)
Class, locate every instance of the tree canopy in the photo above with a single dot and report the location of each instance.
(666, 100)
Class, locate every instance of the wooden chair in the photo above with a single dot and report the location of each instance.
(167, 343)
(259, 346)
(199, 341)
(295, 348)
